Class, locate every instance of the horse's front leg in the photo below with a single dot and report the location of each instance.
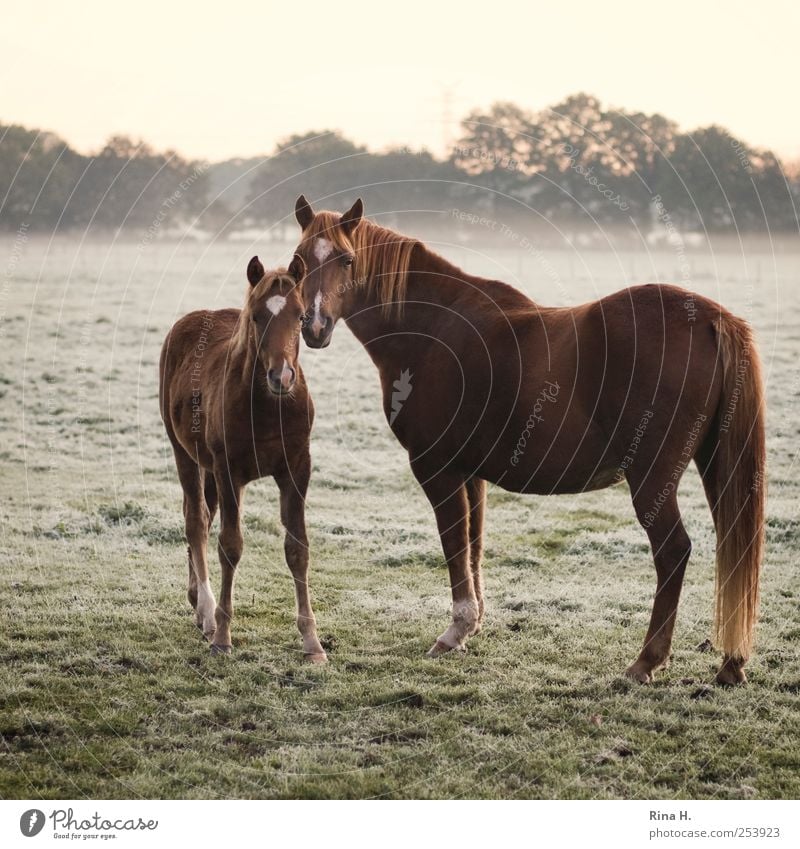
(448, 496)
(476, 495)
(293, 484)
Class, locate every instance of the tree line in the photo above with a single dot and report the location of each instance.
(576, 163)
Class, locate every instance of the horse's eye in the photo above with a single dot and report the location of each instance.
(347, 260)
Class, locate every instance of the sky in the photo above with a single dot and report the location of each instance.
(214, 82)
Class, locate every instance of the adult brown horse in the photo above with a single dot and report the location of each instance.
(481, 384)
(236, 408)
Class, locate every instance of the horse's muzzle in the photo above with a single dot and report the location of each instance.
(317, 334)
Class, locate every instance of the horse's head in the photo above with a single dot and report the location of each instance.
(326, 247)
(273, 315)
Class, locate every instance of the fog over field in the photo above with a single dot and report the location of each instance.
(109, 691)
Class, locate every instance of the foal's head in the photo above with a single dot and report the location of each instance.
(271, 320)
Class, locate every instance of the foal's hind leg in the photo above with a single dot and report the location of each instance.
(293, 484)
(476, 495)
(210, 490)
(196, 516)
(671, 549)
(229, 548)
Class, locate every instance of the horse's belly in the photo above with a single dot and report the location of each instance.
(552, 460)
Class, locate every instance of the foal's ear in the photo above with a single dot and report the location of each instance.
(297, 268)
(255, 271)
(303, 212)
(351, 218)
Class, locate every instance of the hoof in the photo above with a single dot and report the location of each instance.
(316, 657)
(439, 648)
(217, 649)
(731, 673)
(637, 672)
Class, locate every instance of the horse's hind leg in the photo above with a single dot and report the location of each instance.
(671, 548)
(476, 495)
(196, 517)
(293, 484)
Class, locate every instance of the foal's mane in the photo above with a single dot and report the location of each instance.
(278, 279)
(382, 256)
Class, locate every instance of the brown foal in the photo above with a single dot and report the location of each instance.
(482, 384)
(236, 408)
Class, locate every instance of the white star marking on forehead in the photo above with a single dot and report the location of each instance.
(276, 303)
(322, 249)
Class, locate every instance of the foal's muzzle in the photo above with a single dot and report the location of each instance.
(281, 381)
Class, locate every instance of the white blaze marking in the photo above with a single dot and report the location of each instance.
(316, 324)
(322, 249)
(276, 303)
(286, 375)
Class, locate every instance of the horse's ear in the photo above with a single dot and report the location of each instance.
(303, 212)
(353, 215)
(297, 268)
(255, 271)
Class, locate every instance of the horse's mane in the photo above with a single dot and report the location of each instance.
(381, 256)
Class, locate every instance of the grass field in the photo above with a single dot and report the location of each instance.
(106, 689)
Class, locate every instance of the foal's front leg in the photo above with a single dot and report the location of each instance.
(448, 497)
(293, 485)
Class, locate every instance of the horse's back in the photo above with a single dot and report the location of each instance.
(587, 376)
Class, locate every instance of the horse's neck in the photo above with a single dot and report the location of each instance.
(434, 281)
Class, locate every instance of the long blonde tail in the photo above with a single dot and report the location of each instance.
(740, 487)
